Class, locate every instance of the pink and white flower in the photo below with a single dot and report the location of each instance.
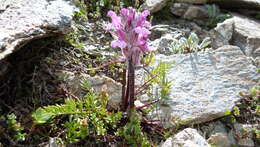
(131, 31)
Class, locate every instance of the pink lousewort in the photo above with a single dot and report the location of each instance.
(130, 30)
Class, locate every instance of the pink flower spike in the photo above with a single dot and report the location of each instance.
(131, 31)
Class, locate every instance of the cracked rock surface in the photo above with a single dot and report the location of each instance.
(206, 84)
(24, 20)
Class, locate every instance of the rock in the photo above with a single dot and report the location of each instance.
(98, 83)
(246, 142)
(256, 62)
(213, 128)
(251, 4)
(187, 138)
(239, 31)
(21, 21)
(53, 142)
(192, 1)
(221, 140)
(205, 85)
(179, 9)
(217, 134)
(154, 5)
(244, 131)
(196, 12)
(163, 35)
(162, 45)
(222, 34)
(190, 12)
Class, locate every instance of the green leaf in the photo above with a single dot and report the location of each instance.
(228, 112)
(40, 116)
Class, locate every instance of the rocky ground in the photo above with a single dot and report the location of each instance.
(210, 102)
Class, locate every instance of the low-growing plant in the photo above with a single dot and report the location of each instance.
(133, 134)
(158, 78)
(236, 111)
(96, 9)
(190, 44)
(18, 130)
(87, 116)
(215, 16)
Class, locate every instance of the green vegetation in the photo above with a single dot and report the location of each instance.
(86, 117)
(215, 16)
(18, 130)
(190, 44)
(133, 134)
(96, 9)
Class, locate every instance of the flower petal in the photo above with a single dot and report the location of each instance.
(118, 43)
(142, 31)
(116, 21)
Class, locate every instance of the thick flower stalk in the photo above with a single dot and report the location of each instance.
(130, 29)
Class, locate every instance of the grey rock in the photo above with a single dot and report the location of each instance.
(247, 35)
(241, 4)
(213, 128)
(179, 9)
(162, 45)
(256, 62)
(222, 34)
(163, 35)
(21, 21)
(221, 140)
(217, 134)
(205, 85)
(246, 142)
(196, 12)
(240, 31)
(53, 143)
(98, 83)
(154, 5)
(193, 1)
(187, 138)
(244, 130)
(251, 4)
(190, 12)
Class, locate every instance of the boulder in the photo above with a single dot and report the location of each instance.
(221, 140)
(244, 134)
(252, 4)
(190, 12)
(21, 21)
(192, 1)
(196, 12)
(187, 138)
(213, 128)
(205, 84)
(240, 31)
(154, 5)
